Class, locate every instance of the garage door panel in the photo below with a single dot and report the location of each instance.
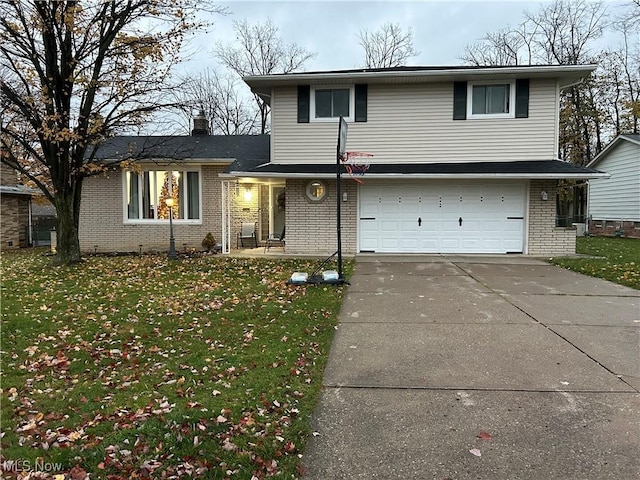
(430, 225)
(483, 207)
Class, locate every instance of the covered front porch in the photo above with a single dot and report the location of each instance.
(260, 206)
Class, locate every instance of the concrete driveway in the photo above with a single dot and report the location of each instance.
(466, 367)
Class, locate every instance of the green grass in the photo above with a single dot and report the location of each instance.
(208, 367)
(611, 258)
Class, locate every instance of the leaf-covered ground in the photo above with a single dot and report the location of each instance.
(612, 258)
(137, 367)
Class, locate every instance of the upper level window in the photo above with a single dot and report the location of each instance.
(331, 103)
(146, 194)
(491, 100)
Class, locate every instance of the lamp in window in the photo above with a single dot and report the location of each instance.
(544, 196)
(172, 241)
(248, 194)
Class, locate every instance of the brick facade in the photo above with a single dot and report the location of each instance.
(614, 228)
(544, 238)
(14, 221)
(103, 228)
(311, 226)
(14, 212)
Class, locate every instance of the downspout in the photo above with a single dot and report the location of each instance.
(30, 223)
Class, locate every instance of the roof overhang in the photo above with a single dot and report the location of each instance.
(523, 170)
(566, 75)
(18, 190)
(609, 148)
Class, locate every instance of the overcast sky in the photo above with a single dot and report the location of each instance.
(441, 29)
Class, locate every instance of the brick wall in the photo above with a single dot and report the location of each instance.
(614, 228)
(14, 212)
(14, 221)
(102, 226)
(544, 237)
(311, 226)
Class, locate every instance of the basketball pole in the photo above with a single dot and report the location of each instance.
(338, 205)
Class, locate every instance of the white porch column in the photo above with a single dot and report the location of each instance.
(226, 216)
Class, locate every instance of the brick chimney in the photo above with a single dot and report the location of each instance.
(200, 124)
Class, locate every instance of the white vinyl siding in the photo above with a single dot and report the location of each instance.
(617, 197)
(414, 123)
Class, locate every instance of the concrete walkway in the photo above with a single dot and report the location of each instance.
(466, 367)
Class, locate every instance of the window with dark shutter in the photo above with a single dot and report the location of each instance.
(361, 102)
(522, 98)
(459, 100)
(304, 93)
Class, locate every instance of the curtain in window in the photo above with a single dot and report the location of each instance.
(133, 200)
(193, 202)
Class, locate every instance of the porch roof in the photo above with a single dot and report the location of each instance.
(549, 169)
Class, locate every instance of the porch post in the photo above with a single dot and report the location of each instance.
(226, 216)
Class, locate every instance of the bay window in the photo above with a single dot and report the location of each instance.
(146, 194)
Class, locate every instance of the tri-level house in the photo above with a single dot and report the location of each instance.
(464, 161)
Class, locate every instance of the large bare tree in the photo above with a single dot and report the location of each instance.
(389, 46)
(560, 32)
(221, 100)
(259, 50)
(75, 72)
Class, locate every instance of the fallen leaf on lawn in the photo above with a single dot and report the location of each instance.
(78, 473)
(476, 452)
(228, 445)
(484, 436)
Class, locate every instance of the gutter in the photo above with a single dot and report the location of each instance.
(425, 176)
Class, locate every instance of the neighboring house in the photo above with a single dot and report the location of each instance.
(15, 210)
(613, 204)
(465, 161)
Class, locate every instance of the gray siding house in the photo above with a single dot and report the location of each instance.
(613, 203)
(464, 160)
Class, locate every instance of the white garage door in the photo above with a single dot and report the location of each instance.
(439, 217)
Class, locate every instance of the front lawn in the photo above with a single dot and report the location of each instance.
(123, 367)
(612, 258)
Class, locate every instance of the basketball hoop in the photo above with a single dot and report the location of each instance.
(356, 164)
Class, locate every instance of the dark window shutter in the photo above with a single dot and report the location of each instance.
(522, 98)
(304, 104)
(361, 102)
(459, 100)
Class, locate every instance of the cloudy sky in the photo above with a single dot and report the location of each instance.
(329, 28)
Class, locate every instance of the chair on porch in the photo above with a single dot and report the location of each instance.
(275, 240)
(247, 234)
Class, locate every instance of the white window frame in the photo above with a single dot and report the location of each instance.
(512, 100)
(156, 221)
(312, 109)
(310, 197)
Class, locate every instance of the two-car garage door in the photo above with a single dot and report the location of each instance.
(440, 217)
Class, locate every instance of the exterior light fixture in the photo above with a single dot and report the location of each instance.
(543, 196)
(172, 240)
(248, 194)
(345, 197)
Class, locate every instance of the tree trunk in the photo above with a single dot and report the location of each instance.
(68, 210)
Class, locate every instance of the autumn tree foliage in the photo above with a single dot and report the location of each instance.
(259, 50)
(389, 46)
(75, 72)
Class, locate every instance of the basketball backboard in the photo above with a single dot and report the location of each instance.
(342, 137)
